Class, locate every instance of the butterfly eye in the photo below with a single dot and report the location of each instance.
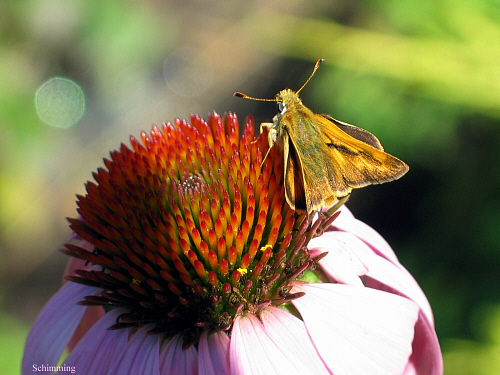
(281, 107)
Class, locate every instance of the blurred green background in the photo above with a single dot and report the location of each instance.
(422, 75)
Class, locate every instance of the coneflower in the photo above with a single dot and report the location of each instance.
(186, 259)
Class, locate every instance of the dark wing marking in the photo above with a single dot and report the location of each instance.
(355, 132)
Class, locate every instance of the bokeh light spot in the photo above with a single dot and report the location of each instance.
(60, 102)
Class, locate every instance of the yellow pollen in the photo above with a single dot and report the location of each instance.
(264, 248)
(242, 271)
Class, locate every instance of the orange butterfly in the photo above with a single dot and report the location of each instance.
(324, 158)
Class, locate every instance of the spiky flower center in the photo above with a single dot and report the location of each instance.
(189, 228)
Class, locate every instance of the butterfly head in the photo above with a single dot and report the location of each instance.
(287, 99)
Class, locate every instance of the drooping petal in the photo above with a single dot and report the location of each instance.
(426, 358)
(288, 331)
(91, 316)
(100, 349)
(92, 313)
(54, 326)
(141, 355)
(176, 361)
(358, 330)
(348, 223)
(213, 353)
(382, 274)
(253, 352)
(342, 263)
(388, 277)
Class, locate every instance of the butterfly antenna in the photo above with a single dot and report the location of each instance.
(245, 96)
(318, 63)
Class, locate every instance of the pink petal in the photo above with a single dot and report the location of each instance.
(92, 313)
(383, 274)
(341, 264)
(388, 277)
(254, 352)
(288, 331)
(141, 355)
(54, 326)
(213, 353)
(426, 358)
(90, 317)
(346, 222)
(358, 330)
(100, 349)
(176, 361)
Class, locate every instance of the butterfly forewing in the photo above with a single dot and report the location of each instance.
(358, 162)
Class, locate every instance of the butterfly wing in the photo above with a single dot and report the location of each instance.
(354, 131)
(294, 183)
(357, 156)
(329, 158)
(307, 185)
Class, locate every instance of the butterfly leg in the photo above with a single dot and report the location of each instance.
(272, 136)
